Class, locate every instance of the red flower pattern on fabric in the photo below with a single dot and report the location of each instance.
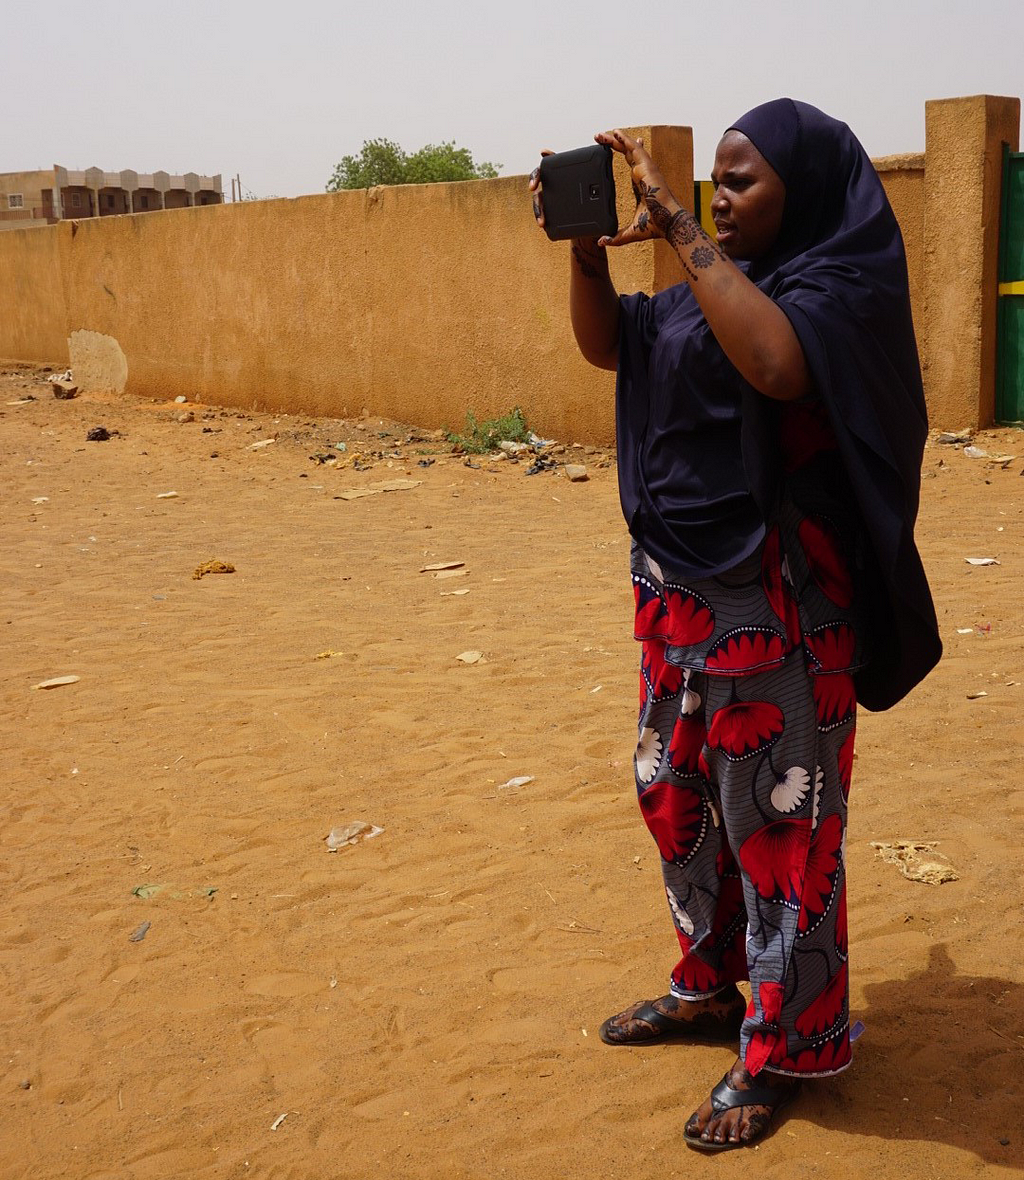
(771, 996)
(835, 698)
(825, 560)
(765, 1047)
(675, 817)
(746, 649)
(651, 620)
(842, 937)
(832, 647)
(846, 763)
(684, 750)
(829, 1057)
(692, 974)
(826, 1008)
(774, 858)
(820, 873)
(663, 678)
(690, 619)
(745, 728)
(777, 590)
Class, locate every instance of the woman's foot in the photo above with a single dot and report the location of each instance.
(716, 1018)
(725, 1120)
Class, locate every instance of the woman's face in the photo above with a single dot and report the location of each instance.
(749, 198)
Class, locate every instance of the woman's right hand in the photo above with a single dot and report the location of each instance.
(536, 188)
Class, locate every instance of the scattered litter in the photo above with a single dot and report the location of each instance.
(442, 565)
(973, 696)
(167, 495)
(597, 688)
(350, 834)
(40, 499)
(140, 931)
(278, 1121)
(471, 657)
(22, 401)
(452, 574)
(57, 682)
(426, 463)
(539, 442)
(98, 434)
(981, 561)
(213, 566)
(576, 472)
(984, 630)
(519, 781)
(149, 890)
(1002, 460)
(373, 489)
(975, 453)
(513, 448)
(906, 856)
(857, 1030)
(965, 630)
(181, 399)
(265, 442)
(955, 436)
(341, 446)
(327, 654)
(541, 464)
(454, 593)
(470, 463)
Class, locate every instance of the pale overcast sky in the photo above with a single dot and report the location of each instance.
(279, 92)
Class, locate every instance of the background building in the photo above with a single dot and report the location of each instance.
(56, 194)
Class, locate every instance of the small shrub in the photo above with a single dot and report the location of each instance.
(480, 437)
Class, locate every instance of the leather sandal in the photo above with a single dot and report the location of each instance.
(703, 1026)
(724, 1097)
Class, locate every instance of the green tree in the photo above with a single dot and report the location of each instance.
(382, 161)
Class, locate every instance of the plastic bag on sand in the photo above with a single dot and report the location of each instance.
(350, 834)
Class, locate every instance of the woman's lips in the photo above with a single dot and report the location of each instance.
(724, 230)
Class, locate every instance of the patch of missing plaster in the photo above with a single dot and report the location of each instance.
(97, 361)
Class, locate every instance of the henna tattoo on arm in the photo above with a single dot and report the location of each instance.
(585, 261)
(683, 230)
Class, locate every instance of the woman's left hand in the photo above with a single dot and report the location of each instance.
(655, 204)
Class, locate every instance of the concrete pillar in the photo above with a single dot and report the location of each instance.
(963, 173)
(96, 202)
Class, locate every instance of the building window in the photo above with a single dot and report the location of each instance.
(144, 201)
(76, 200)
(110, 200)
(15, 201)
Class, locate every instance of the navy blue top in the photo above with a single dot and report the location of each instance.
(699, 472)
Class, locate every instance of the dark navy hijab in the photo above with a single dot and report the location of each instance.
(838, 270)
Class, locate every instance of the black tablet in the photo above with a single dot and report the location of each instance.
(579, 193)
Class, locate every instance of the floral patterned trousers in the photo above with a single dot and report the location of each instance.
(743, 781)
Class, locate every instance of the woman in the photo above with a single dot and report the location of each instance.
(771, 422)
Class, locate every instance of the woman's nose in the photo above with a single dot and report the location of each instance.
(718, 201)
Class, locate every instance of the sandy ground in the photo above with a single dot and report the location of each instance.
(425, 1004)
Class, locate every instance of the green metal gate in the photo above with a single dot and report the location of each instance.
(1010, 357)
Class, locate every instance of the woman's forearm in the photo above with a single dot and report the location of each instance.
(754, 332)
(593, 304)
